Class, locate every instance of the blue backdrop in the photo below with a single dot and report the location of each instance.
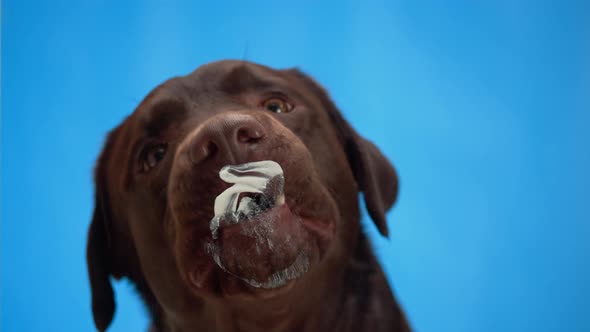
(483, 106)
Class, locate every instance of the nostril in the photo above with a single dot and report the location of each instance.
(211, 149)
(249, 135)
(202, 152)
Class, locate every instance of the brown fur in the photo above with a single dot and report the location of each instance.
(151, 227)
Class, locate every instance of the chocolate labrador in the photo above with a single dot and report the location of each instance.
(229, 198)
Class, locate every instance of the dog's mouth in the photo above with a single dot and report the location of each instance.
(255, 236)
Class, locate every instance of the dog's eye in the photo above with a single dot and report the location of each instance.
(151, 156)
(277, 105)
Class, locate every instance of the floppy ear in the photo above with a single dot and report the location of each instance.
(99, 249)
(97, 257)
(376, 177)
(374, 174)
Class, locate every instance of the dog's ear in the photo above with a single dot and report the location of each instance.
(97, 257)
(99, 246)
(374, 174)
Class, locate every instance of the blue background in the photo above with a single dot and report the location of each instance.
(483, 106)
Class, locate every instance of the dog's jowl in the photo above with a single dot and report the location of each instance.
(230, 198)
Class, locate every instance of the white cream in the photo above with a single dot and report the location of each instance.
(252, 178)
(247, 178)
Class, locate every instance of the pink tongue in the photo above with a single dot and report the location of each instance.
(261, 245)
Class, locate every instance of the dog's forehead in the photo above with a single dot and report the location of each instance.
(205, 89)
(209, 81)
(220, 70)
(230, 77)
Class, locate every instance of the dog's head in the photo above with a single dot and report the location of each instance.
(236, 181)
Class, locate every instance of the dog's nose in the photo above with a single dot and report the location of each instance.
(228, 136)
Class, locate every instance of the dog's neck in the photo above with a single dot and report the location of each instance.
(300, 309)
(346, 300)
(290, 313)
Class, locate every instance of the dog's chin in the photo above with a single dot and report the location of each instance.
(260, 255)
(265, 249)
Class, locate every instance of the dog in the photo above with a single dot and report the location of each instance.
(230, 199)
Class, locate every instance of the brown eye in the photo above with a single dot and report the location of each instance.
(152, 156)
(277, 105)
